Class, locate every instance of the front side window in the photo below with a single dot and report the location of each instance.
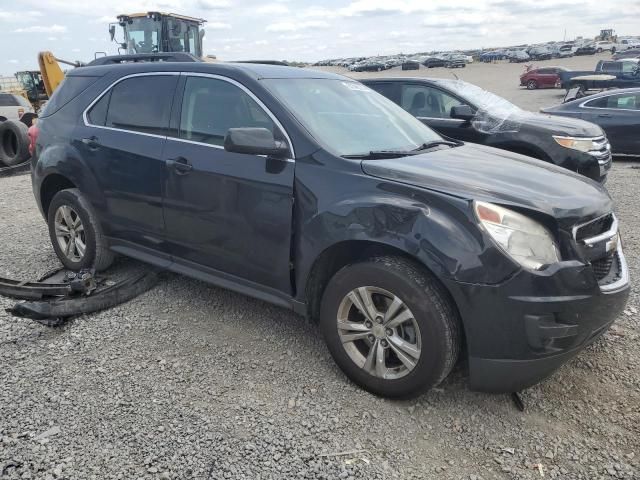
(424, 101)
(138, 104)
(210, 107)
(348, 118)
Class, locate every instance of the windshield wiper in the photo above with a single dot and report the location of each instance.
(428, 145)
(378, 154)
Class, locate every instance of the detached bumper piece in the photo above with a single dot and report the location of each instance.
(51, 304)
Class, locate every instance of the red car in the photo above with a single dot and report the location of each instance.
(547, 77)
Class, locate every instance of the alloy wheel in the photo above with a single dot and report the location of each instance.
(70, 233)
(379, 332)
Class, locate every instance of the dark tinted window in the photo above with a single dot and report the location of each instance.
(211, 107)
(98, 113)
(611, 67)
(389, 90)
(546, 71)
(71, 87)
(142, 104)
(7, 100)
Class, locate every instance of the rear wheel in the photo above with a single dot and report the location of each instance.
(76, 234)
(532, 85)
(390, 326)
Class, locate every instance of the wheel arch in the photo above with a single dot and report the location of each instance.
(50, 186)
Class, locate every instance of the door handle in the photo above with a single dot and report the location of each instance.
(604, 115)
(180, 165)
(92, 143)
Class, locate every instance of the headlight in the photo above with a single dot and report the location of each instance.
(523, 239)
(576, 143)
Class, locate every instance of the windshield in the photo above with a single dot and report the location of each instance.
(142, 35)
(348, 118)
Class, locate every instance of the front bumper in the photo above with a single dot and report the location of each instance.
(521, 331)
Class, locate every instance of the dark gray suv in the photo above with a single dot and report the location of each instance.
(315, 193)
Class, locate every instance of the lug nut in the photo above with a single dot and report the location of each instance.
(384, 343)
(368, 324)
(371, 338)
(379, 319)
(389, 332)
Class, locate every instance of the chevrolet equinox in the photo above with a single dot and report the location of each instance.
(313, 192)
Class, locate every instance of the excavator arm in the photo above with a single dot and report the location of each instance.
(52, 74)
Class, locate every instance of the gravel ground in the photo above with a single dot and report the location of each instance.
(191, 381)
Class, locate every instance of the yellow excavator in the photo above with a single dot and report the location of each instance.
(143, 34)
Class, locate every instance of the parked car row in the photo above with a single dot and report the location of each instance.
(313, 192)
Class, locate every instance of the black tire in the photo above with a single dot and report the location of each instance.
(532, 85)
(97, 254)
(14, 143)
(433, 311)
(599, 50)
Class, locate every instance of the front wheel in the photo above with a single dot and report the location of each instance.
(532, 85)
(390, 326)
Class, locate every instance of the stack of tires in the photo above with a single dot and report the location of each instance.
(14, 143)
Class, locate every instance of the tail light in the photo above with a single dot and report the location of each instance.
(33, 137)
(20, 113)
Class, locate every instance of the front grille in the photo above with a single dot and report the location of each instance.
(602, 267)
(596, 227)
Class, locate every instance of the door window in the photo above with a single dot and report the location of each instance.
(210, 107)
(139, 104)
(424, 101)
(626, 101)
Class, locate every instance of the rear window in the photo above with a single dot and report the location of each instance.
(139, 104)
(7, 100)
(71, 87)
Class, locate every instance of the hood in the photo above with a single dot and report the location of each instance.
(478, 172)
(556, 125)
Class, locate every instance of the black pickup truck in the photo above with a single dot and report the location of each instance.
(608, 74)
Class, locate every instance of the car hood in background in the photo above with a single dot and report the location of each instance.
(556, 125)
(477, 172)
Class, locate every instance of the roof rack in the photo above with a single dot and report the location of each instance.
(264, 62)
(144, 57)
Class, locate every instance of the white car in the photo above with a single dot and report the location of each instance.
(627, 43)
(603, 45)
(13, 107)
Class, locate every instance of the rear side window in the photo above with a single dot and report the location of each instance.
(210, 107)
(139, 104)
(7, 100)
(629, 101)
(71, 87)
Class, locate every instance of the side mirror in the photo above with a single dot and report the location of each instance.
(112, 32)
(254, 141)
(462, 112)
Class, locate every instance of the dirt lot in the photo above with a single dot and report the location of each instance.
(502, 78)
(191, 381)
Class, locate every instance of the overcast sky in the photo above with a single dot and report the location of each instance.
(308, 30)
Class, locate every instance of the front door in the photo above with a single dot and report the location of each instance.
(432, 107)
(227, 213)
(121, 140)
(619, 117)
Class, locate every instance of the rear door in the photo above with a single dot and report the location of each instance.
(121, 140)
(619, 117)
(227, 213)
